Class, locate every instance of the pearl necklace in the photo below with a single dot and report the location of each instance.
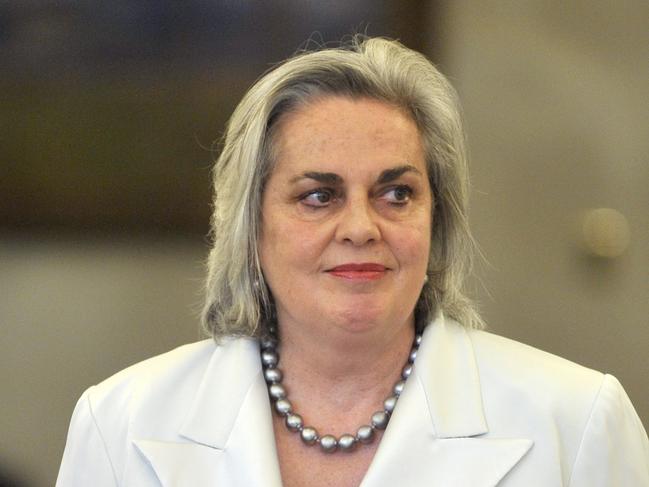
(294, 423)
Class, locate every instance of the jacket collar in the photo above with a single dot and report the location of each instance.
(232, 374)
(450, 444)
(228, 431)
(229, 440)
(448, 377)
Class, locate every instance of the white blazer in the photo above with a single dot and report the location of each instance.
(478, 410)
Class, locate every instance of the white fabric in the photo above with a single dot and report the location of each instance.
(479, 410)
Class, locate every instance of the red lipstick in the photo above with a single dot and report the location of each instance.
(360, 272)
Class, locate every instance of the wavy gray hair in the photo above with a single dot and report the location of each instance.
(237, 299)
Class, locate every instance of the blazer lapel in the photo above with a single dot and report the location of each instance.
(227, 437)
(438, 434)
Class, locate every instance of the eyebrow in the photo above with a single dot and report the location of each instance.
(322, 177)
(394, 173)
(334, 179)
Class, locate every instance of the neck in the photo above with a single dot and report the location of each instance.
(337, 378)
(334, 355)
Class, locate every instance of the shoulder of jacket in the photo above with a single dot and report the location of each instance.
(182, 358)
(540, 384)
(167, 379)
(530, 365)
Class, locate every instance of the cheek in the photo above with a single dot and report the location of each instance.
(416, 248)
(412, 240)
(412, 251)
(291, 245)
(309, 248)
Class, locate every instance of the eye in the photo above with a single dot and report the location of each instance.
(318, 197)
(398, 195)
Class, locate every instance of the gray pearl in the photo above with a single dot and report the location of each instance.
(389, 404)
(407, 370)
(268, 343)
(273, 375)
(412, 356)
(346, 442)
(328, 443)
(269, 358)
(365, 434)
(283, 406)
(418, 340)
(277, 391)
(294, 422)
(398, 387)
(309, 435)
(380, 420)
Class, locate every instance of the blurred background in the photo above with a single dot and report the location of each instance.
(108, 112)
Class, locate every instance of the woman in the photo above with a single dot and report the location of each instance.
(340, 244)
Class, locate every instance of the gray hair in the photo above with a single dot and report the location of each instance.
(237, 298)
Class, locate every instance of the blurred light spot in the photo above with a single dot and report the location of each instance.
(605, 232)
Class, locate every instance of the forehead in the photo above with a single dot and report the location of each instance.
(341, 134)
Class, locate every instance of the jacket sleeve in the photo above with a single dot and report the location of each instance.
(614, 448)
(85, 459)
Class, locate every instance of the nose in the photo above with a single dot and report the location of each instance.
(358, 223)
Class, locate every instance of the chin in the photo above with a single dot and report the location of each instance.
(361, 318)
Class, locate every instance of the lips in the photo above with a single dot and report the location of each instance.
(367, 271)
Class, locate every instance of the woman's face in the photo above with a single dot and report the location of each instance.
(346, 216)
